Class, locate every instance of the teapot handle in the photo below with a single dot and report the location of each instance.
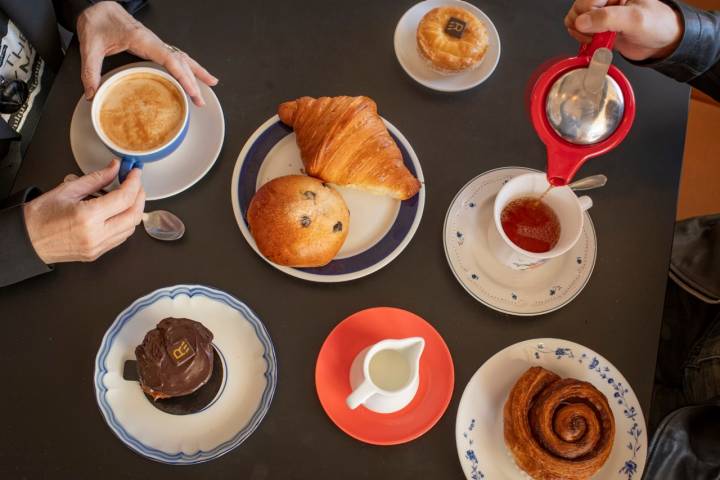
(599, 40)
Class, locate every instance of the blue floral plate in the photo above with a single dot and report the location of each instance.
(479, 424)
(529, 292)
(248, 380)
(380, 227)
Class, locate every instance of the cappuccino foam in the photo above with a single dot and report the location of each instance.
(141, 112)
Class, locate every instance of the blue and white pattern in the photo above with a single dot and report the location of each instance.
(470, 455)
(630, 411)
(105, 372)
(379, 253)
(538, 288)
(479, 430)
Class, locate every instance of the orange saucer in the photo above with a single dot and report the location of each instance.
(364, 328)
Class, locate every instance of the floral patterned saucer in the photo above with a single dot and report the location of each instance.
(531, 292)
(479, 424)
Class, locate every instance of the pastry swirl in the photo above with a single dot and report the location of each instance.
(557, 429)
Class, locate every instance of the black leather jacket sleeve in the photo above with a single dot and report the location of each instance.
(696, 60)
(18, 259)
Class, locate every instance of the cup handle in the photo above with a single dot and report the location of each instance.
(585, 202)
(126, 165)
(361, 393)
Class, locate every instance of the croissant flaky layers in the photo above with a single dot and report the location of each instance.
(344, 141)
(557, 429)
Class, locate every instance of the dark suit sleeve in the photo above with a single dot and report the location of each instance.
(68, 11)
(696, 60)
(18, 260)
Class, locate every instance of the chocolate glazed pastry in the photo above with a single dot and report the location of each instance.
(175, 358)
(557, 429)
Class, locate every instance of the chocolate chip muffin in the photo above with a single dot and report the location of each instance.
(298, 221)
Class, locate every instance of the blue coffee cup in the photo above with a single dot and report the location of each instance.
(130, 159)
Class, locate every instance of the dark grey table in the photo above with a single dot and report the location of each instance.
(270, 51)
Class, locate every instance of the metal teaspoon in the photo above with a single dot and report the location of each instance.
(588, 183)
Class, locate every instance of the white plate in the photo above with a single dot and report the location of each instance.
(380, 226)
(530, 292)
(415, 66)
(173, 174)
(249, 367)
(479, 425)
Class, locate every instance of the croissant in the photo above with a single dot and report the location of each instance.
(557, 429)
(344, 141)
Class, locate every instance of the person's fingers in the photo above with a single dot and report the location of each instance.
(109, 243)
(92, 53)
(200, 72)
(128, 219)
(119, 199)
(579, 36)
(93, 182)
(584, 6)
(181, 71)
(614, 19)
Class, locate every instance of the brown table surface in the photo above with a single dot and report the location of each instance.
(270, 51)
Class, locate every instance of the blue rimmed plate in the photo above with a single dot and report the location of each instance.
(479, 424)
(380, 227)
(243, 399)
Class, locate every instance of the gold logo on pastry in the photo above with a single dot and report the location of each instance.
(181, 351)
(455, 27)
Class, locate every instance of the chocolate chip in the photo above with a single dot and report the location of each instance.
(309, 195)
(305, 221)
(325, 185)
(337, 227)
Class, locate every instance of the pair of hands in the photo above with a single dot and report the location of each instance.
(64, 227)
(61, 224)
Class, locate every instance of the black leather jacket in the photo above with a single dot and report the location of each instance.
(696, 60)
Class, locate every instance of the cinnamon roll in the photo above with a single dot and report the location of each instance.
(557, 429)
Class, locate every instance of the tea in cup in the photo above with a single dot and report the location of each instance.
(533, 222)
(142, 115)
(385, 376)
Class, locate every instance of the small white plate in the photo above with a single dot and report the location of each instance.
(415, 66)
(479, 424)
(173, 174)
(380, 226)
(530, 292)
(249, 368)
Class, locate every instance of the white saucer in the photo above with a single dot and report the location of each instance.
(415, 66)
(250, 377)
(530, 292)
(173, 174)
(380, 226)
(479, 424)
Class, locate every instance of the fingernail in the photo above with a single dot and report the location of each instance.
(583, 22)
(89, 93)
(214, 80)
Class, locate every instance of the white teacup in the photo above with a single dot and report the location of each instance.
(567, 206)
(385, 376)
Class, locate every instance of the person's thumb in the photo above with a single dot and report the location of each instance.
(606, 19)
(91, 56)
(93, 182)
